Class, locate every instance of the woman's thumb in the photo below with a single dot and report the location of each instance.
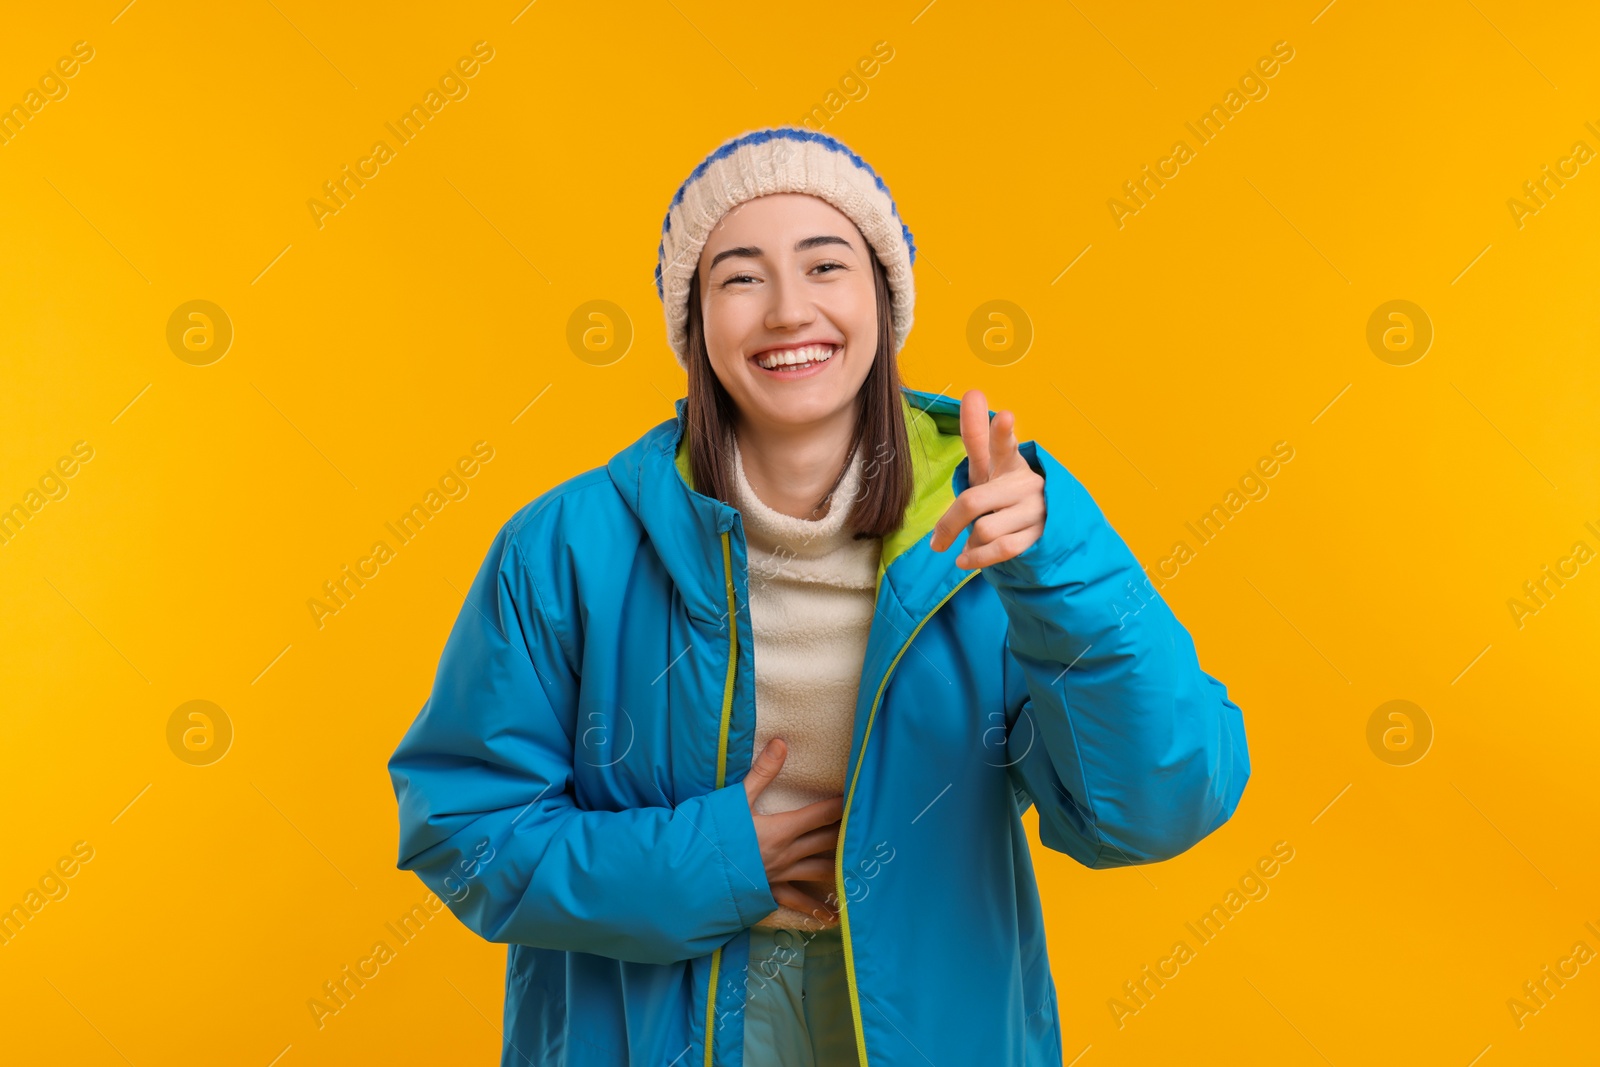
(769, 761)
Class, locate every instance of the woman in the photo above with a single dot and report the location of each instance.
(728, 745)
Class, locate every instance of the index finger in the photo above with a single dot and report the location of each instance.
(817, 813)
(1004, 452)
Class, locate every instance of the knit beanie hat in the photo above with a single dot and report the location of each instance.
(781, 159)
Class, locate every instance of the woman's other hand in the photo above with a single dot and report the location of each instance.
(796, 846)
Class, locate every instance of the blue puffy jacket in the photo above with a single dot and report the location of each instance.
(573, 785)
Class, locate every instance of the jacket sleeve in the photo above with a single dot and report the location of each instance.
(488, 820)
(1132, 753)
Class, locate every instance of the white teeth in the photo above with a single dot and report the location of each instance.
(791, 356)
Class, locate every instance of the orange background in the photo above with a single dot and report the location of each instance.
(432, 311)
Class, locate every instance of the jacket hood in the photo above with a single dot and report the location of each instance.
(685, 525)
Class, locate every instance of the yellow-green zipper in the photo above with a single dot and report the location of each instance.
(722, 761)
(844, 821)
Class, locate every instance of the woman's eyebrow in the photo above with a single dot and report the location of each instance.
(751, 252)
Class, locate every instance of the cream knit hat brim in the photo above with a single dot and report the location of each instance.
(784, 159)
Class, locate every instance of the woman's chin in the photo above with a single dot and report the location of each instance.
(794, 406)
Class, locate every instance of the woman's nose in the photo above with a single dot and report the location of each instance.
(790, 306)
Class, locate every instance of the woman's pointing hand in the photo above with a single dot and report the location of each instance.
(1004, 500)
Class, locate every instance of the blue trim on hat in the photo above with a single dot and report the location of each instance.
(790, 133)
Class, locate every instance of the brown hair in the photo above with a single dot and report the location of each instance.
(880, 425)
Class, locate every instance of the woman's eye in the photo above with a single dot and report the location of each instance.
(737, 278)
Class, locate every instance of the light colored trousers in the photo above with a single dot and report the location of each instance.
(797, 1007)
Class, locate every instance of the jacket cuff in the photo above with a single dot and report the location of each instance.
(733, 832)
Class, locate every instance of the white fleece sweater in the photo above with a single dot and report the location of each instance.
(812, 591)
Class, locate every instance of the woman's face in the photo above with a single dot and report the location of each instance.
(788, 276)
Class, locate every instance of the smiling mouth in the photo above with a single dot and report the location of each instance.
(793, 359)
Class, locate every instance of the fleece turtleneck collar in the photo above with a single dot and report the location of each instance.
(823, 550)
